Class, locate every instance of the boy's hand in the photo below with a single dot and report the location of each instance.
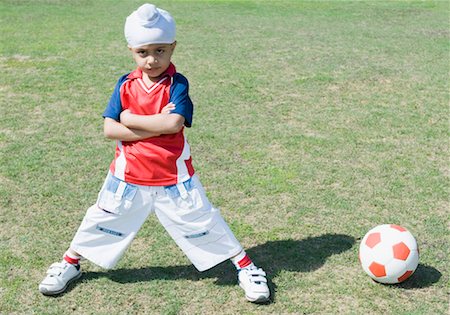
(168, 108)
(124, 115)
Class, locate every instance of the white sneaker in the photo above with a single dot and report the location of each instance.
(254, 283)
(58, 278)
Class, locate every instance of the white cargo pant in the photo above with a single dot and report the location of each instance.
(110, 225)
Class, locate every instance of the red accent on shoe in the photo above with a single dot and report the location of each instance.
(72, 261)
(244, 262)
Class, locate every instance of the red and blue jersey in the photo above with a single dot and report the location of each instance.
(158, 161)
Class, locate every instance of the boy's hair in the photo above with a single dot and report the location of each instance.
(149, 25)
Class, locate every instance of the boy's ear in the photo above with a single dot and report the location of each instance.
(129, 47)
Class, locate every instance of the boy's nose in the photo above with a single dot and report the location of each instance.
(151, 60)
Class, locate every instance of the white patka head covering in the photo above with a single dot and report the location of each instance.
(149, 25)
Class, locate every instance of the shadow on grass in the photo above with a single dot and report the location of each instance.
(275, 256)
(423, 277)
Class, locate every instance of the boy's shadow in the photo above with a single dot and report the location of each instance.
(275, 256)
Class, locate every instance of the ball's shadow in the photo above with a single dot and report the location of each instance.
(423, 277)
(275, 256)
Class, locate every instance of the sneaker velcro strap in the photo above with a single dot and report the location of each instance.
(258, 279)
(257, 275)
(257, 272)
(55, 269)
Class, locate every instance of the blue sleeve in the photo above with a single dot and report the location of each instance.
(179, 95)
(114, 107)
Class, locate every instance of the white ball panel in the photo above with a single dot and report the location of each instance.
(365, 254)
(396, 268)
(409, 240)
(382, 254)
(389, 236)
(389, 280)
(413, 260)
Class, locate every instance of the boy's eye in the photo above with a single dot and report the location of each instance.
(160, 51)
(141, 52)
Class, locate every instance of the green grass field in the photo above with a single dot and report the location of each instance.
(314, 122)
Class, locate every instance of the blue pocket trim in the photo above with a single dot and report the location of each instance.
(112, 184)
(197, 235)
(108, 231)
(173, 192)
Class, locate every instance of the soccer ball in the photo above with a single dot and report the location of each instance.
(389, 254)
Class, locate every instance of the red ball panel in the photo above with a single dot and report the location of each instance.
(401, 251)
(377, 269)
(398, 227)
(405, 276)
(373, 239)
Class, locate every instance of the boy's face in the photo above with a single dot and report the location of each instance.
(153, 59)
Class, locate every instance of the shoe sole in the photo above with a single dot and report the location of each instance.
(260, 299)
(49, 293)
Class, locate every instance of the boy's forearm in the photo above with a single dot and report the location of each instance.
(159, 123)
(116, 131)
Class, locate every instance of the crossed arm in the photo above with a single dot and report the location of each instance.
(134, 127)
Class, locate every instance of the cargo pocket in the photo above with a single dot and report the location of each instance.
(117, 196)
(186, 197)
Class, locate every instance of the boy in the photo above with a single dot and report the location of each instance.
(152, 170)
